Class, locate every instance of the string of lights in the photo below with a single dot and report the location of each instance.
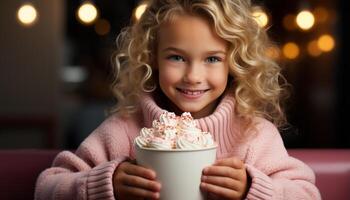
(305, 20)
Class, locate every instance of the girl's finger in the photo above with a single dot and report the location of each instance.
(136, 181)
(225, 182)
(140, 171)
(220, 191)
(230, 162)
(223, 171)
(139, 192)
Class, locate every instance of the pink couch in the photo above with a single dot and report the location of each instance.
(332, 168)
(20, 168)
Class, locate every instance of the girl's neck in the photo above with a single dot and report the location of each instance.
(163, 102)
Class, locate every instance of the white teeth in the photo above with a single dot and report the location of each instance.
(189, 92)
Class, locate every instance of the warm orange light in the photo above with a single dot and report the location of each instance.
(291, 50)
(321, 14)
(261, 17)
(312, 48)
(87, 13)
(273, 52)
(326, 43)
(140, 10)
(27, 14)
(289, 22)
(102, 27)
(305, 20)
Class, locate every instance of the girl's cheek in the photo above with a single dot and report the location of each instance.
(172, 69)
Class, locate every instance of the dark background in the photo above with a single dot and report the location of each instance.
(40, 108)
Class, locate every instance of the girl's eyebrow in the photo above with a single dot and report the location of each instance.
(173, 49)
(207, 52)
(216, 52)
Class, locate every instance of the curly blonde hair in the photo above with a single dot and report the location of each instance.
(257, 79)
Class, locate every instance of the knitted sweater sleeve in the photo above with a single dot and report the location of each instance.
(275, 175)
(87, 173)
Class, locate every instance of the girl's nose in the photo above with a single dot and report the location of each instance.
(193, 74)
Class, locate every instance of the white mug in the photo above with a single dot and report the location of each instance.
(179, 171)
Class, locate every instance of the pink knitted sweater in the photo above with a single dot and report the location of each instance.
(87, 173)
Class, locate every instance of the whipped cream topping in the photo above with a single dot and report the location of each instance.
(174, 132)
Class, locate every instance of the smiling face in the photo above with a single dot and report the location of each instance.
(191, 60)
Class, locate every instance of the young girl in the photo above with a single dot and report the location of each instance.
(200, 56)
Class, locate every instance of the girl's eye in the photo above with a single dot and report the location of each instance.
(176, 58)
(213, 59)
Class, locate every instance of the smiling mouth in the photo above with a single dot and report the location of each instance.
(191, 92)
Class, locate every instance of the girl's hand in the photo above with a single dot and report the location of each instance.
(227, 178)
(131, 181)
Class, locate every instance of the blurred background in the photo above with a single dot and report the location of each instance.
(55, 68)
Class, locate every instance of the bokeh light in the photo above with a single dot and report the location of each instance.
(313, 49)
(102, 27)
(27, 14)
(140, 10)
(289, 22)
(321, 14)
(326, 42)
(273, 52)
(291, 50)
(87, 13)
(305, 20)
(261, 18)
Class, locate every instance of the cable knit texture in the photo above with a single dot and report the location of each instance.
(88, 173)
